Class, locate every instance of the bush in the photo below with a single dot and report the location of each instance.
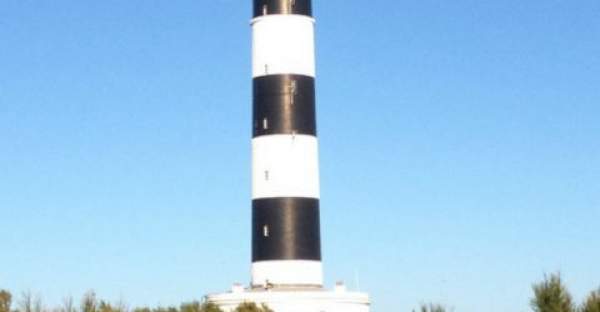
(252, 307)
(211, 307)
(89, 302)
(550, 295)
(5, 301)
(592, 303)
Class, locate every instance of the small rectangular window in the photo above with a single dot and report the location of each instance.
(265, 230)
(293, 86)
(292, 92)
(265, 124)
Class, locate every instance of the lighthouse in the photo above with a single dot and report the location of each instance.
(286, 246)
(286, 270)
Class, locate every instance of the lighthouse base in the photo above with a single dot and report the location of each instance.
(294, 300)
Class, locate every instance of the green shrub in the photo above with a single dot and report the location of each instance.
(551, 295)
(592, 302)
(252, 307)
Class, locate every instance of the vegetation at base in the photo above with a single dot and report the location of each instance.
(432, 308)
(5, 301)
(592, 302)
(252, 307)
(549, 295)
(90, 303)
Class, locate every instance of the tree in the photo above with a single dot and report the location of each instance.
(89, 302)
(252, 307)
(121, 305)
(167, 309)
(210, 307)
(104, 306)
(67, 304)
(193, 306)
(551, 295)
(37, 304)
(5, 300)
(592, 302)
(26, 302)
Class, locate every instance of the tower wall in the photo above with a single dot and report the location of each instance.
(286, 244)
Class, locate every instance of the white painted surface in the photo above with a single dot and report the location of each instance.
(296, 300)
(287, 272)
(285, 166)
(283, 44)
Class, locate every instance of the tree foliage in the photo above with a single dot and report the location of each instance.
(26, 302)
(105, 306)
(252, 307)
(5, 300)
(142, 309)
(193, 306)
(37, 304)
(592, 302)
(551, 295)
(210, 307)
(165, 309)
(432, 308)
(89, 302)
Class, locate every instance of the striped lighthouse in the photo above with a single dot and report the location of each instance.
(286, 246)
(286, 242)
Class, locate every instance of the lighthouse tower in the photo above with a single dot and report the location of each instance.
(287, 272)
(286, 247)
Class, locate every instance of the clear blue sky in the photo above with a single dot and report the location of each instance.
(460, 148)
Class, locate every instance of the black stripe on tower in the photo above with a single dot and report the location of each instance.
(285, 228)
(265, 7)
(284, 104)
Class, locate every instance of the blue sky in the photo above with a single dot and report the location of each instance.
(460, 148)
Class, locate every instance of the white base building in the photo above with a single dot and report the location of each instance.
(294, 300)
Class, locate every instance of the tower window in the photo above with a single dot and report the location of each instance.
(265, 123)
(292, 91)
(293, 86)
(265, 230)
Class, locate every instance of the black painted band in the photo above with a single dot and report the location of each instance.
(285, 228)
(266, 7)
(284, 104)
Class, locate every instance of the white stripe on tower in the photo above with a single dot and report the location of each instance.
(286, 246)
(283, 44)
